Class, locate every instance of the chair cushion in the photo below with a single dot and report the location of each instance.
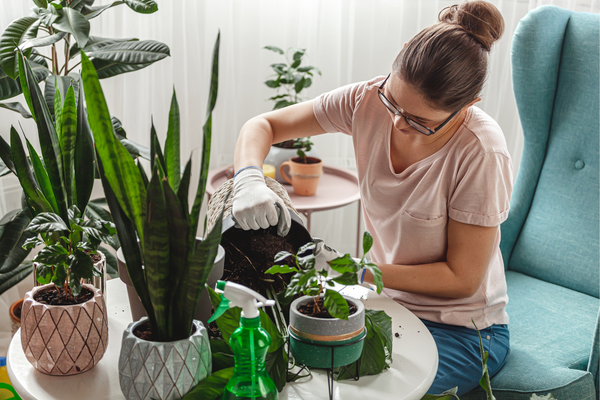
(551, 332)
(560, 240)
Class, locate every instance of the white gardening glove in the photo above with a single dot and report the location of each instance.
(324, 254)
(256, 206)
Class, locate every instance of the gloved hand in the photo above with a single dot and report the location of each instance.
(324, 254)
(256, 206)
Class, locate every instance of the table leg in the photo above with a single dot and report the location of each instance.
(358, 230)
(307, 214)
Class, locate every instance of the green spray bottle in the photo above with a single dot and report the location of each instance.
(249, 342)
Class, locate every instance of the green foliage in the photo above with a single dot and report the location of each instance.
(484, 382)
(312, 282)
(69, 22)
(168, 267)
(65, 258)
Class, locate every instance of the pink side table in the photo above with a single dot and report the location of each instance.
(337, 187)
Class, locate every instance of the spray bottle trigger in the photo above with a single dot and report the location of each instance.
(223, 306)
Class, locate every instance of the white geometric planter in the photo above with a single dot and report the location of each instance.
(163, 370)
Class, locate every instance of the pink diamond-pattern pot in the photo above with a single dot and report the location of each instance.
(64, 340)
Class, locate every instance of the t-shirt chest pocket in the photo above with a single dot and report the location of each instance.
(425, 236)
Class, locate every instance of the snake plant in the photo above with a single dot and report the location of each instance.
(167, 265)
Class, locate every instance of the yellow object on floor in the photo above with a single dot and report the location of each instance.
(269, 170)
(7, 392)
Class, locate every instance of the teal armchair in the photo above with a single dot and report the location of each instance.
(550, 241)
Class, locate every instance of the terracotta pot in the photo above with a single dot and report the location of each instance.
(303, 177)
(313, 340)
(278, 155)
(64, 340)
(203, 308)
(15, 322)
(99, 282)
(163, 370)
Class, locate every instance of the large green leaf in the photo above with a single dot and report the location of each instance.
(12, 37)
(107, 69)
(73, 22)
(184, 187)
(47, 222)
(13, 237)
(229, 321)
(41, 176)
(276, 365)
(43, 41)
(49, 143)
(58, 105)
(84, 158)
(142, 6)
(112, 266)
(10, 87)
(15, 276)
(79, 4)
(335, 304)
(94, 43)
(137, 52)
(156, 258)
(6, 156)
(120, 169)
(35, 198)
(206, 143)
(211, 387)
(92, 12)
(4, 170)
(67, 144)
(172, 155)
(60, 83)
(17, 107)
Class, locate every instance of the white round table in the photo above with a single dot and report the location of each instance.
(415, 361)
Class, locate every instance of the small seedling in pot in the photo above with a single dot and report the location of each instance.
(310, 281)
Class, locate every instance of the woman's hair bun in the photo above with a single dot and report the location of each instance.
(480, 19)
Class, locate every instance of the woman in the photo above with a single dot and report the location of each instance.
(435, 180)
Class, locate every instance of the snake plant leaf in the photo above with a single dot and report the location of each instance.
(90, 12)
(156, 155)
(200, 262)
(126, 232)
(107, 69)
(6, 156)
(156, 256)
(61, 83)
(12, 37)
(134, 52)
(14, 235)
(41, 176)
(142, 6)
(17, 107)
(177, 237)
(12, 87)
(172, 155)
(206, 143)
(73, 22)
(67, 144)
(14, 276)
(47, 136)
(184, 187)
(95, 43)
(336, 304)
(43, 41)
(84, 160)
(58, 105)
(4, 170)
(35, 198)
(143, 173)
(120, 169)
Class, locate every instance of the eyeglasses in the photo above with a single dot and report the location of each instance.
(413, 124)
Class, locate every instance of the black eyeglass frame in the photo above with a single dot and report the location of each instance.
(414, 124)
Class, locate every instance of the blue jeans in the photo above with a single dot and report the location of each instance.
(460, 357)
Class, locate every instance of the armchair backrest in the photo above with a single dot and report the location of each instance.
(552, 232)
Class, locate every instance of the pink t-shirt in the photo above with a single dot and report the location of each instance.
(468, 180)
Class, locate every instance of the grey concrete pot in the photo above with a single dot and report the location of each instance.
(203, 308)
(326, 342)
(163, 370)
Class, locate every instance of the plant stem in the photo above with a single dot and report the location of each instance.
(73, 67)
(67, 47)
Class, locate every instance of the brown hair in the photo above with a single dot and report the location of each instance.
(447, 61)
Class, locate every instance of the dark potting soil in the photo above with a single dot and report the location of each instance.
(250, 254)
(18, 311)
(306, 160)
(144, 332)
(52, 297)
(309, 309)
(95, 258)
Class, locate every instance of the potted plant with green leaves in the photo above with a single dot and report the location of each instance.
(304, 171)
(62, 177)
(64, 323)
(323, 317)
(50, 24)
(289, 79)
(167, 265)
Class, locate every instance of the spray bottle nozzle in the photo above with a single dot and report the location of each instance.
(236, 295)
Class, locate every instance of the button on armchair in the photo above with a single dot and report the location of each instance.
(550, 242)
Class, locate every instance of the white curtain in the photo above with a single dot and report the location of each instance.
(348, 40)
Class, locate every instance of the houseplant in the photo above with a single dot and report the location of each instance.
(323, 317)
(49, 24)
(291, 78)
(175, 265)
(64, 324)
